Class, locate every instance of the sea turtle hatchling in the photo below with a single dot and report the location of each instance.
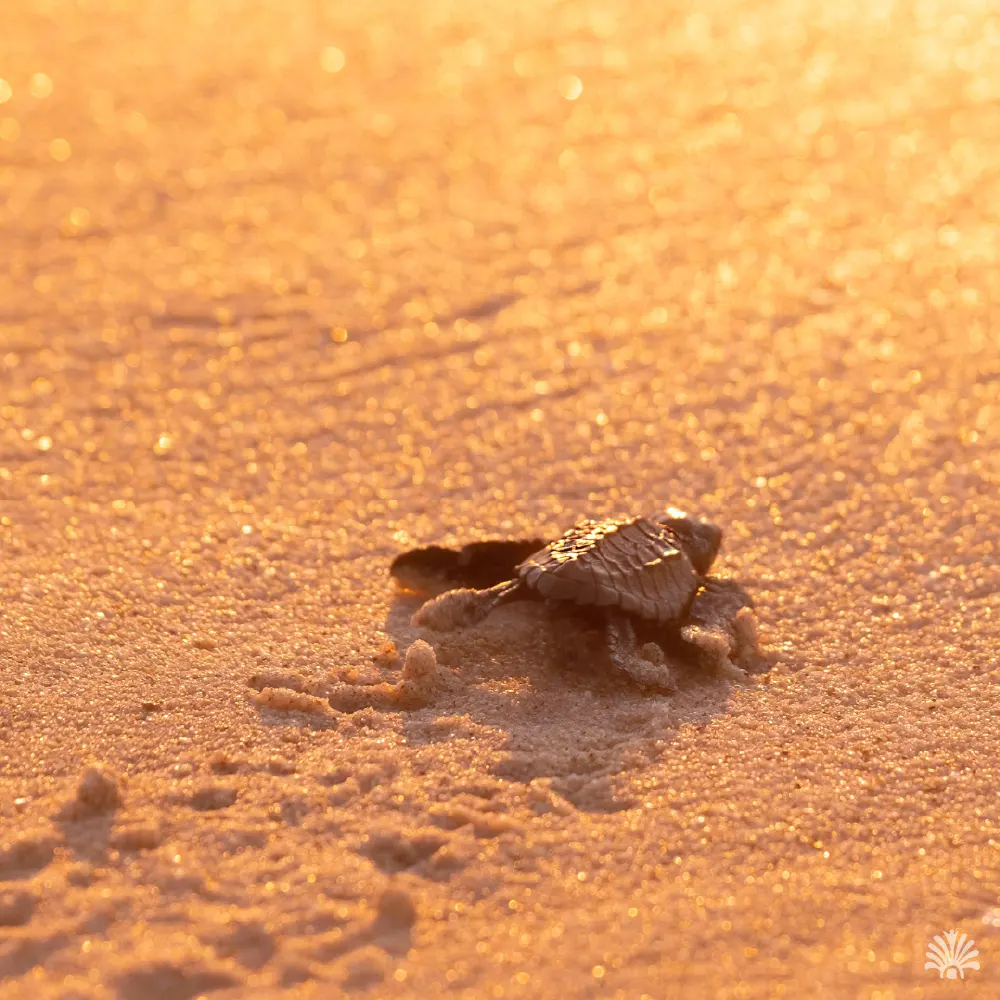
(646, 572)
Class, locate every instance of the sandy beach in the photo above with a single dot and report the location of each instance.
(288, 289)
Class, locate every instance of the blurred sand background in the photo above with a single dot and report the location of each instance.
(287, 288)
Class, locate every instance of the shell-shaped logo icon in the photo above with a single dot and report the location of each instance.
(952, 954)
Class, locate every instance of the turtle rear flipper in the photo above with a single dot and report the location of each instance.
(464, 607)
(625, 654)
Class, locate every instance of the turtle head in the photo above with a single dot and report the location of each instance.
(700, 539)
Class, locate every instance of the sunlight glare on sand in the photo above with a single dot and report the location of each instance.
(290, 288)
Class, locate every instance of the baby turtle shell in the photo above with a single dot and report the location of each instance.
(631, 563)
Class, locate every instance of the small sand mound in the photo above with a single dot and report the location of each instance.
(387, 655)
(396, 908)
(420, 665)
(286, 700)
(16, 907)
(422, 679)
(277, 679)
(746, 642)
(100, 790)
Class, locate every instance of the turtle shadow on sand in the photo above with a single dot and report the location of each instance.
(531, 693)
(536, 687)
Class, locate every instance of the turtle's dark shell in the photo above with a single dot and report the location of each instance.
(633, 563)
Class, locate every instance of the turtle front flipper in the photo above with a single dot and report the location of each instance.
(722, 627)
(625, 655)
(461, 608)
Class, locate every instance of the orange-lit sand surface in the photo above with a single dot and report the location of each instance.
(287, 288)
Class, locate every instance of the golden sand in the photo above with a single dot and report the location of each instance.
(287, 288)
